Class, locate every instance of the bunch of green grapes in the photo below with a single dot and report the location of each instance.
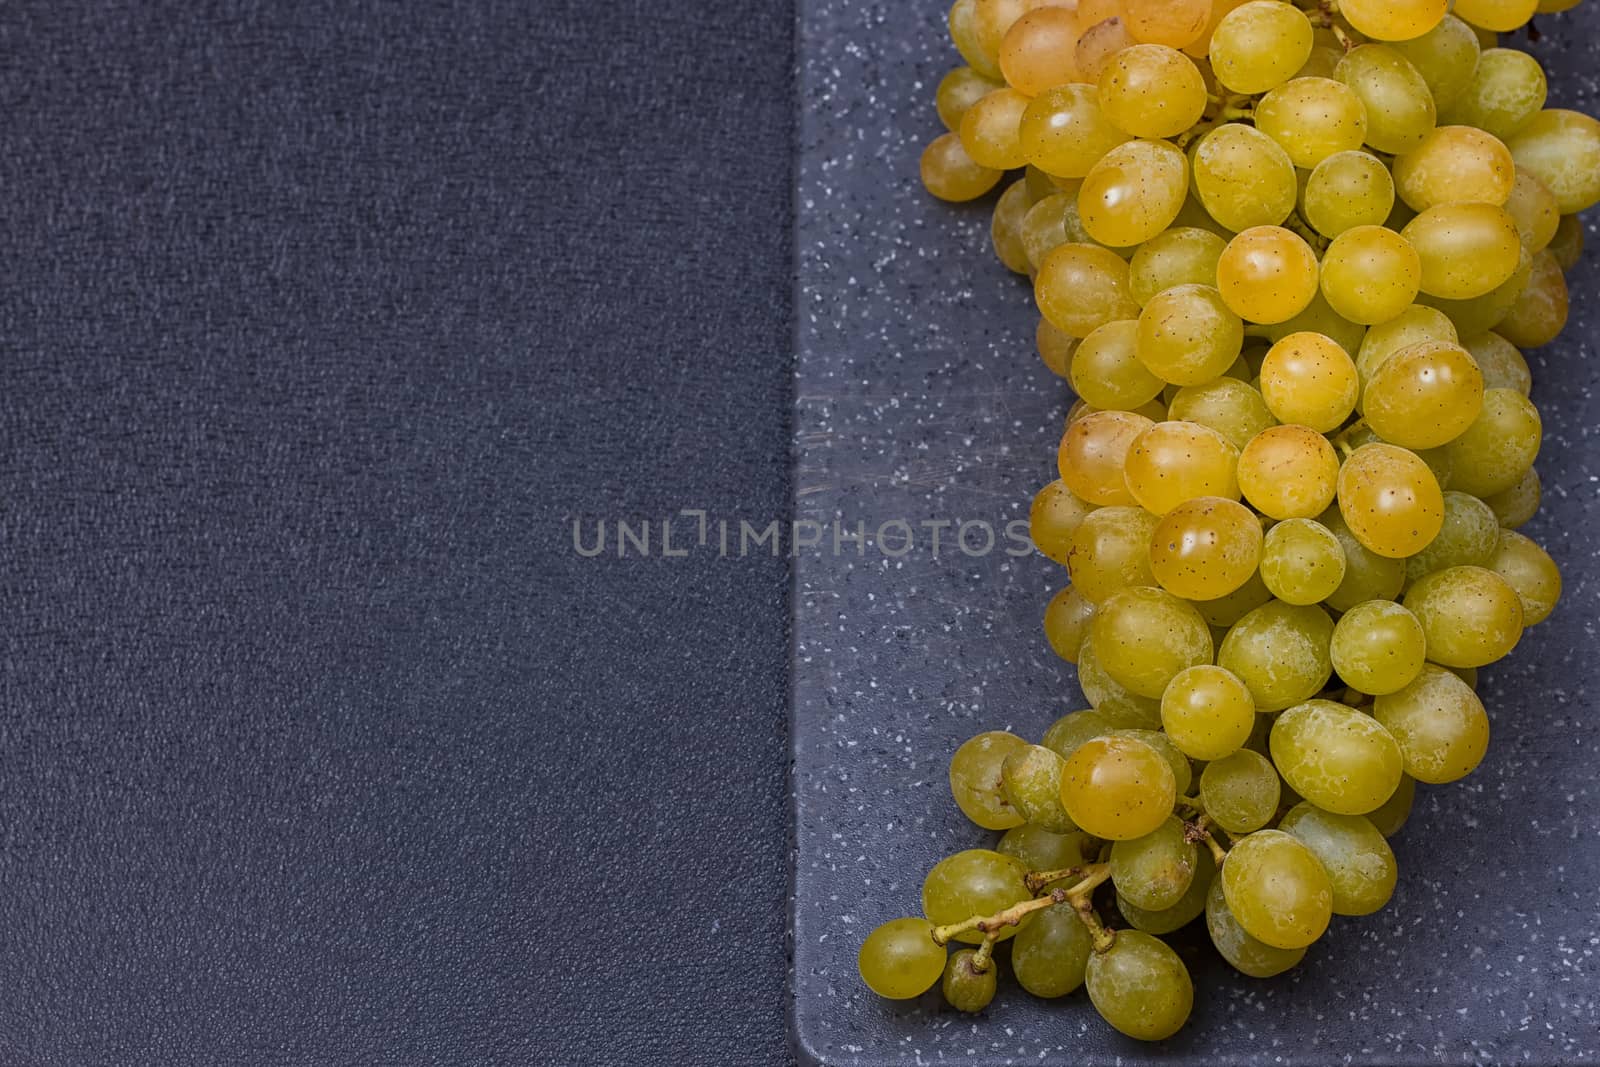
(1289, 258)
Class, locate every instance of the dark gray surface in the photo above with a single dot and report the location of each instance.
(921, 398)
(321, 320)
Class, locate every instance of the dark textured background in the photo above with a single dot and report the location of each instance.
(320, 321)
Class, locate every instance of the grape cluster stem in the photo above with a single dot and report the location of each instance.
(1080, 896)
(1200, 830)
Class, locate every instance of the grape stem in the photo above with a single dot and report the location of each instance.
(993, 924)
(1193, 805)
(1037, 880)
(981, 959)
(1199, 830)
(1082, 898)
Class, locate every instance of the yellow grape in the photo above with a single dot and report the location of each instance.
(1053, 518)
(1037, 51)
(1302, 562)
(1050, 223)
(1200, 48)
(1206, 548)
(992, 19)
(1424, 396)
(1005, 227)
(1516, 505)
(1171, 462)
(1308, 379)
(1093, 452)
(1414, 325)
(989, 130)
(1233, 408)
(1540, 312)
(964, 34)
(1134, 192)
(1145, 637)
(1313, 118)
(1440, 724)
(1446, 57)
(958, 91)
(1106, 373)
(1367, 575)
(1346, 190)
(1471, 616)
(1466, 249)
(1370, 274)
(1208, 712)
(1502, 365)
(1267, 274)
(1529, 570)
(1477, 314)
(1055, 348)
(1289, 472)
(1400, 109)
(1183, 256)
(1064, 133)
(1175, 23)
(1453, 164)
(1117, 788)
(1394, 20)
(1501, 16)
(1390, 500)
(1259, 46)
(1243, 177)
(1099, 43)
(1507, 89)
(1188, 335)
(1082, 287)
(1066, 622)
(1495, 452)
(1535, 210)
(1110, 551)
(950, 174)
(1151, 90)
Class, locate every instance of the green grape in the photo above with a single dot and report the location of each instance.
(1182, 772)
(1111, 551)
(1066, 622)
(1224, 611)
(1454, 164)
(975, 882)
(1120, 706)
(1309, 380)
(1425, 395)
(1346, 190)
(1360, 864)
(1093, 453)
(1082, 287)
(1390, 500)
(1500, 445)
(1172, 462)
(900, 960)
(1134, 192)
(1281, 652)
(1302, 562)
(1176, 23)
(1055, 348)
(1313, 118)
(1073, 729)
(1260, 45)
(1394, 20)
(1378, 647)
(1205, 548)
(1105, 372)
(1440, 724)
(1338, 758)
(1486, 312)
(1031, 779)
(1370, 274)
(1400, 109)
(1188, 335)
(1240, 792)
(1267, 274)
(1468, 537)
(1207, 712)
(1038, 849)
(1190, 906)
(1507, 90)
(1244, 178)
(1155, 871)
(1535, 210)
(1470, 615)
(1289, 472)
(1515, 506)
(1540, 312)
(965, 987)
(1140, 987)
(1502, 364)
(1151, 90)
(958, 91)
(1053, 517)
(1412, 326)
(950, 174)
(1467, 250)
(1567, 244)
(1320, 317)
(1277, 889)
(989, 130)
(1050, 954)
(1005, 227)
(1052, 222)
(1038, 52)
(1144, 637)
(1063, 131)
(1367, 575)
(1118, 788)
(975, 780)
(1183, 256)
(1446, 57)
(1529, 570)
(1233, 408)
(1393, 814)
(1501, 16)
(1245, 954)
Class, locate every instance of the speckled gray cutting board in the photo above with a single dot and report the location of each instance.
(921, 399)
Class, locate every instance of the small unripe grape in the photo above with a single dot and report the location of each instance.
(1051, 953)
(965, 987)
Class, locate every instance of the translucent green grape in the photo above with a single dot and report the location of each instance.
(899, 960)
(1140, 987)
(975, 882)
(1529, 570)
(1469, 537)
(1340, 759)
(1040, 850)
(1241, 791)
(1360, 864)
(1470, 615)
(1302, 562)
(1440, 724)
(976, 783)
(1277, 889)
(1378, 647)
(1031, 778)
(1154, 871)
(1051, 953)
(1244, 953)
(965, 987)
(1073, 729)
(1188, 908)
